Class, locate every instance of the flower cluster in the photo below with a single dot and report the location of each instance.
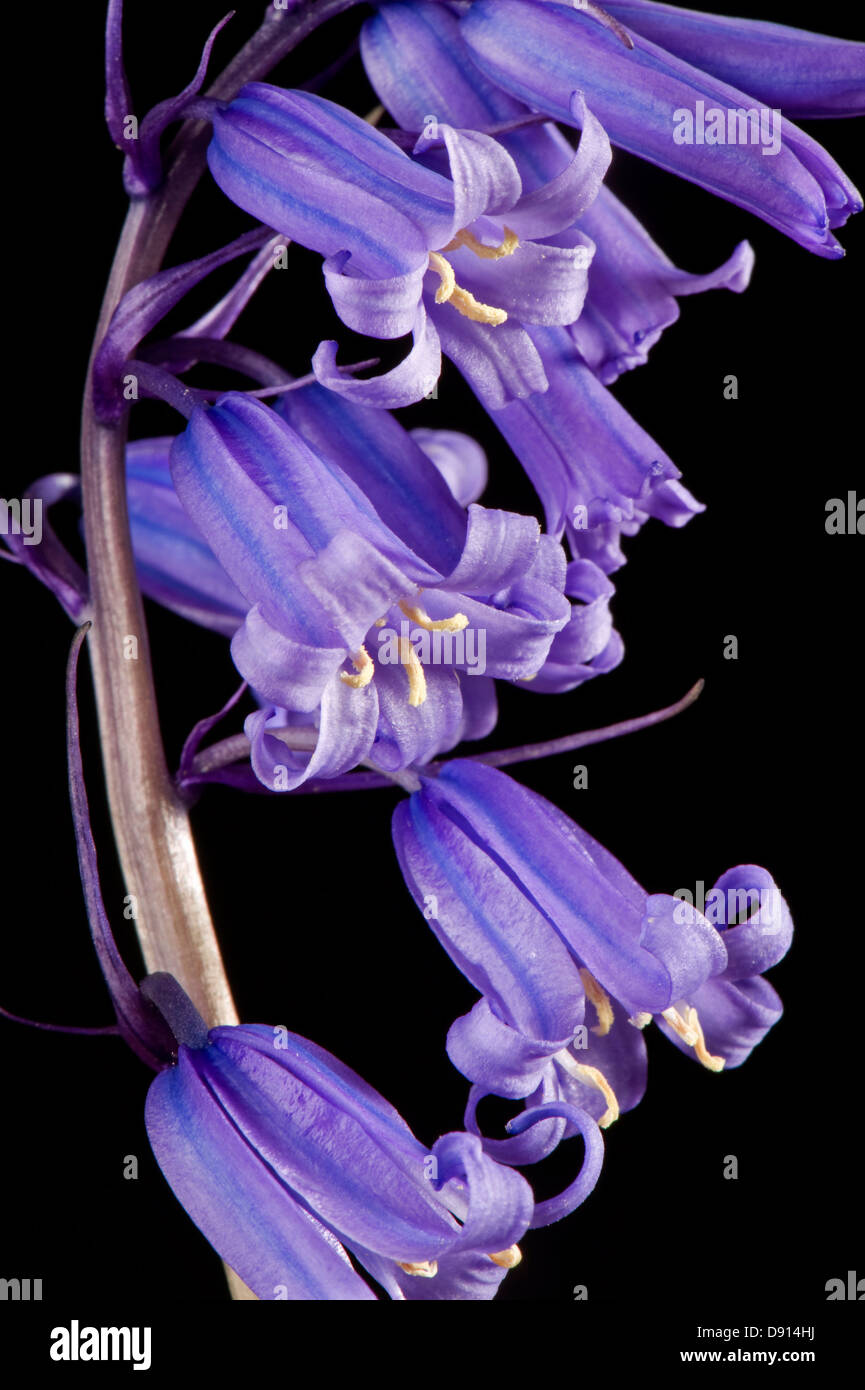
(370, 601)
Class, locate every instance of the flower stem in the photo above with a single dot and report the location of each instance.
(236, 747)
(151, 826)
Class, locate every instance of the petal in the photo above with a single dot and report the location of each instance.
(412, 379)
(692, 955)
(499, 1203)
(588, 635)
(541, 53)
(734, 1015)
(762, 937)
(536, 284)
(388, 466)
(535, 1143)
(265, 503)
(559, 203)
(500, 364)
(379, 308)
(485, 178)
(236, 1200)
(633, 288)
(418, 63)
(460, 460)
(556, 1207)
(328, 179)
(803, 73)
(579, 446)
(342, 1161)
(175, 565)
(480, 706)
(499, 548)
(407, 734)
(347, 726)
(287, 672)
(535, 845)
(499, 1059)
(493, 933)
(509, 642)
(355, 584)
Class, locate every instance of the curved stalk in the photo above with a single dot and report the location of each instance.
(151, 826)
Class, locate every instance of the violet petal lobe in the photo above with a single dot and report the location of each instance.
(644, 98)
(803, 73)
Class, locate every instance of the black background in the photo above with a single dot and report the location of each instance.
(317, 928)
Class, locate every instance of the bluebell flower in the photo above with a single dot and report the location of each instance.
(287, 1160)
(327, 575)
(679, 116)
(481, 594)
(597, 472)
(418, 62)
(289, 1163)
(572, 957)
(309, 535)
(446, 253)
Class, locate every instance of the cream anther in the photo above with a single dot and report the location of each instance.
(703, 1054)
(601, 1001)
(641, 1020)
(417, 615)
(471, 308)
(445, 271)
(486, 253)
(507, 1259)
(365, 668)
(415, 672)
(449, 292)
(591, 1076)
(690, 1030)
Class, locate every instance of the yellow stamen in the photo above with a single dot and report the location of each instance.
(591, 1076)
(374, 116)
(680, 1026)
(641, 1020)
(507, 1259)
(417, 615)
(423, 1269)
(365, 668)
(703, 1053)
(486, 253)
(416, 678)
(690, 1030)
(449, 292)
(445, 271)
(471, 308)
(601, 1001)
